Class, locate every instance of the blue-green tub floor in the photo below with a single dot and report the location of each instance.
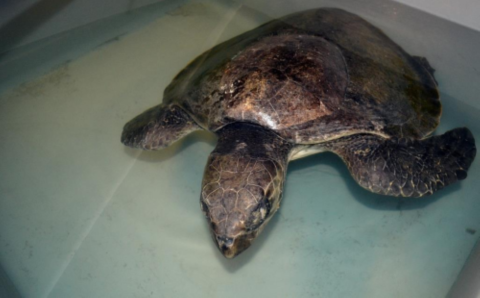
(83, 216)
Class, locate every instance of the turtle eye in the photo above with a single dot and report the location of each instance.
(213, 226)
(204, 208)
(258, 215)
(268, 193)
(256, 225)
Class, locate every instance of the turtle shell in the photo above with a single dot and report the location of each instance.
(312, 76)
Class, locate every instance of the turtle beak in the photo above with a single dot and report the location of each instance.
(225, 245)
(232, 247)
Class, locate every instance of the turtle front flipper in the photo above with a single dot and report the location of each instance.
(158, 127)
(406, 167)
(242, 184)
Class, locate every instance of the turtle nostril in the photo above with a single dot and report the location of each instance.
(224, 241)
(227, 246)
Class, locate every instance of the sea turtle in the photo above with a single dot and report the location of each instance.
(313, 81)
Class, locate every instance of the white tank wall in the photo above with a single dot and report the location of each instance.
(464, 12)
(31, 20)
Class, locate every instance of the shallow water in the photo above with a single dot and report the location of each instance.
(83, 216)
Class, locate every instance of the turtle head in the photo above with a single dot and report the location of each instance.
(242, 185)
(237, 212)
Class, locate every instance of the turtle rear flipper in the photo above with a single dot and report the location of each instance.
(158, 127)
(406, 167)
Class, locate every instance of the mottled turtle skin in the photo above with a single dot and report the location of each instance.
(314, 81)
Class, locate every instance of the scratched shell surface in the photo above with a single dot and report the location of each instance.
(311, 77)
